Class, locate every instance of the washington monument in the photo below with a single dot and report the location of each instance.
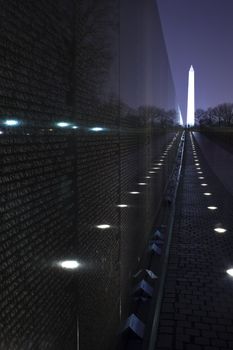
(191, 99)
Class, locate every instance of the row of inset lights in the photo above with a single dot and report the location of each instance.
(217, 229)
(106, 226)
(156, 167)
(197, 164)
(15, 122)
(74, 264)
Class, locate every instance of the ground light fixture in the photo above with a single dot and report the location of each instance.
(142, 183)
(122, 205)
(230, 272)
(200, 172)
(147, 177)
(62, 124)
(97, 129)
(201, 177)
(103, 226)
(207, 194)
(11, 122)
(212, 208)
(152, 172)
(69, 264)
(204, 185)
(220, 230)
(134, 192)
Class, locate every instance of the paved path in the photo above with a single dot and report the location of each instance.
(197, 308)
(220, 160)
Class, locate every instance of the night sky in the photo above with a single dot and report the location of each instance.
(200, 32)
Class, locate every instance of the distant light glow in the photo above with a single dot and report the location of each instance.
(207, 194)
(1, 132)
(11, 122)
(204, 185)
(122, 205)
(220, 230)
(201, 177)
(75, 127)
(69, 264)
(180, 116)
(134, 192)
(152, 172)
(198, 168)
(147, 177)
(97, 129)
(62, 124)
(200, 172)
(103, 226)
(197, 164)
(230, 272)
(156, 168)
(212, 208)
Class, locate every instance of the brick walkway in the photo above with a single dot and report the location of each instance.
(197, 308)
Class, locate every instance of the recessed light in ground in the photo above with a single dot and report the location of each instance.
(122, 205)
(204, 185)
(103, 226)
(230, 272)
(142, 183)
(207, 194)
(220, 230)
(212, 208)
(69, 264)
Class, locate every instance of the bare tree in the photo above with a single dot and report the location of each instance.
(224, 113)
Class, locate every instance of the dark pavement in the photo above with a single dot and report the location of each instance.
(219, 159)
(197, 307)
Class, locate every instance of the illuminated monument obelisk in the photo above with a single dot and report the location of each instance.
(191, 99)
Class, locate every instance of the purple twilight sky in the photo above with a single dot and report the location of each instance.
(200, 32)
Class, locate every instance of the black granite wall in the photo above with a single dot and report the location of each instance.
(60, 62)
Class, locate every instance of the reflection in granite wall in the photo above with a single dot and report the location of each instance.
(73, 144)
